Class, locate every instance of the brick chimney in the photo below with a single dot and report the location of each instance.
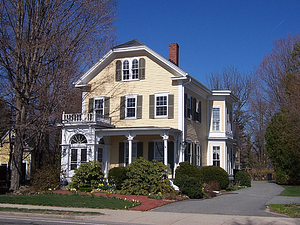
(174, 53)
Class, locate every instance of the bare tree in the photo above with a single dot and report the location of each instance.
(44, 45)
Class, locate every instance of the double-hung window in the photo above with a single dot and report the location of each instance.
(161, 105)
(216, 155)
(198, 155)
(216, 119)
(98, 108)
(130, 69)
(130, 106)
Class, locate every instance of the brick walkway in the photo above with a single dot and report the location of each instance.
(146, 203)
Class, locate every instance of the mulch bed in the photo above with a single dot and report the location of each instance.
(146, 203)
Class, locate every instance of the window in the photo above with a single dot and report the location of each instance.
(135, 69)
(134, 151)
(216, 155)
(83, 158)
(100, 154)
(130, 69)
(125, 70)
(188, 152)
(78, 139)
(198, 155)
(130, 111)
(99, 108)
(73, 159)
(159, 151)
(216, 119)
(161, 105)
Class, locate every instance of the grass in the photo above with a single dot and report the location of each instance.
(292, 210)
(48, 211)
(73, 200)
(292, 191)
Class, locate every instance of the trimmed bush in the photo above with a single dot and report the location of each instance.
(116, 176)
(146, 177)
(89, 174)
(215, 173)
(185, 170)
(190, 186)
(242, 178)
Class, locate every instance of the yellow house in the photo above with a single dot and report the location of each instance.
(5, 149)
(137, 103)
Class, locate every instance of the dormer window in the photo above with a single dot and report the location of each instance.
(130, 69)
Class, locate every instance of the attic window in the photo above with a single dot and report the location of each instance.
(130, 69)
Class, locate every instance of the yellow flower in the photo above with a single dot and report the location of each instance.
(159, 193)
(50, 189)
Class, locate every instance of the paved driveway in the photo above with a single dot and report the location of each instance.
(246, 202)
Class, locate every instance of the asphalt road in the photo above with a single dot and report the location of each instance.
(245, 202)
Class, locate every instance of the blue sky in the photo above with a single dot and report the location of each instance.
(211, 34)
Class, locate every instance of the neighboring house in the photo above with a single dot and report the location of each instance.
(6, 146)
(137, 103)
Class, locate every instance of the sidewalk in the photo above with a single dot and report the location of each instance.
(150, 217)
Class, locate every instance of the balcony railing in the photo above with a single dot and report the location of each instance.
(85, 117)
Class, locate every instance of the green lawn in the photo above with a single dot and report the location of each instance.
(292, 210)
(73, 200)
(292, 191)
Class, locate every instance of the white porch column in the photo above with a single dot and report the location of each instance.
(130, 138)
(165, 138)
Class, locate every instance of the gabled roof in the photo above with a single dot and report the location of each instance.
(132, 43)
(133, 46)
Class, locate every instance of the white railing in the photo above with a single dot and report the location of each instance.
(84, 117)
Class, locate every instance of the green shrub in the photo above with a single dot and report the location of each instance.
(242, 178)
(116, 176)
(45, 178)
(89, 174)
(146, 177)
(215, 173)
(184, 172)
(282, 177)
(190, 186)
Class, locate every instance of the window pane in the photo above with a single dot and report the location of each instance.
(73, 159)
(125, 70)
(216, 155)
(99, 104)
(161, 106)
(99, 154)
(83, 155)
(159, 151)
(130, 107)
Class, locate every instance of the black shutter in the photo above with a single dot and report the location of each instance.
(171, 154)
(185, 105)
(118, 70)
(150, 151)
(122, 108)
(151, 107)
(91, 105)
(139, 106)
(121, 152)
(142, 69)
(106, 106)
(199, 112)
(140, 149)
(193, 108)
(171, 107)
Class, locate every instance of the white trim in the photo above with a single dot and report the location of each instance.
(135, 110)
(161, 94)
